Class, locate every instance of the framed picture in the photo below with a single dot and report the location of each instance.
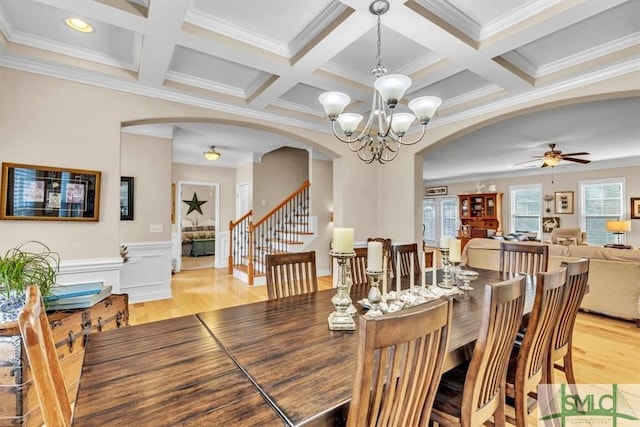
(549, 223)
(435, 191)
(126, 198)
(564, 202)
(635, 208)
(30, 192)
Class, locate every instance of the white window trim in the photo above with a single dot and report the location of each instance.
(581, 183)
(512, 205)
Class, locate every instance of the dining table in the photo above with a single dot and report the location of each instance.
(273, 362)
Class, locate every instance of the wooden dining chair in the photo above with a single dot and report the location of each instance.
(523, 258)
(406, 253)
(291, 274)
(359, 267)
(43, 361)
(472, 393)
(399, 363)
(528, 360)
(562, 338)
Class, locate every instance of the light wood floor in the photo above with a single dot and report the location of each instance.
(606, 350)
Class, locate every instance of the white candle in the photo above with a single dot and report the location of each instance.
(422, 270)
(343, 240)
(454, 250)
(398, 274)
(374, 256)
(411, 276)
(384, 279)
(434, 273)
(444, 242)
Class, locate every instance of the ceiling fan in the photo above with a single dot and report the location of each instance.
(553, 157)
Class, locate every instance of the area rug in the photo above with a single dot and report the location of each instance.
(198, 262)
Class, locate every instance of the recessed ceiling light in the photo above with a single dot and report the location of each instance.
(79, 25)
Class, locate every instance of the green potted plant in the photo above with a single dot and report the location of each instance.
(31, 262)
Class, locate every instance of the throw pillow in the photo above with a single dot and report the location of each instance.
(567, 241)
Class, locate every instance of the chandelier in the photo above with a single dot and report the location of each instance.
(389, 127)
(212, 154)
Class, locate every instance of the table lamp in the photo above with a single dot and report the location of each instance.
(618, 227)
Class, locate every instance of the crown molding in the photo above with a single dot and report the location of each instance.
(595, 76)
(214, 24)
(589, 54)
(330, 14)
(189, 80)
(294, 106)
(473, 95)
(165, 132)
(168, 94)
(514, 18)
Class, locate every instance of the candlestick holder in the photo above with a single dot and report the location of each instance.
(340, 319)
(453, 270)
(374, 296)
(447, 282)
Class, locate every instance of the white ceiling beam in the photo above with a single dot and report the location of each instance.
(165, 23)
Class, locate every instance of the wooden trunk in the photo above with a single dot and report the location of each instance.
(18, 400)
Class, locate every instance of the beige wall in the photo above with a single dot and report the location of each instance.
(53, 122)
(48, 121)
(148, 161)
(568, 181)
(276, 176)
(321, 178)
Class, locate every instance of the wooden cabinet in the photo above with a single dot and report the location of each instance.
(479, 213)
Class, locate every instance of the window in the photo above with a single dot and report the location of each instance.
(526, 208)
(439, 218)
(600, 201)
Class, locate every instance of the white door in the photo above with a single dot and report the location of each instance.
(242, 199)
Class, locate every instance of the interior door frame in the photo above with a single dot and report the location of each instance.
(216, 210)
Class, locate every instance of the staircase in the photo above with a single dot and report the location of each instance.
(286, 228)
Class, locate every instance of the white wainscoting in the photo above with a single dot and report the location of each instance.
(105, 270)
(147, 274)
(222, 249)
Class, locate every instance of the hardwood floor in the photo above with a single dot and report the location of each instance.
(605, 350)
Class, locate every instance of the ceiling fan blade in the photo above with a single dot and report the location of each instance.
(544, 165)
(527, 161)
(571, 159)
(575, 154)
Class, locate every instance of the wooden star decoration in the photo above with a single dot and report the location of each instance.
(194, 204)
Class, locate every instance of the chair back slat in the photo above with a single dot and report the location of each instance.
(43, 361)
(291, 274)
(523, 258)
(358, 267)
(561, 340)
(483, 391)
(399, 363)
(405, 253)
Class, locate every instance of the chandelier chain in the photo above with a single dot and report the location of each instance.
(379, 54)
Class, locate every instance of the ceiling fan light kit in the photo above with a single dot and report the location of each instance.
(212, 154)
(381, 137)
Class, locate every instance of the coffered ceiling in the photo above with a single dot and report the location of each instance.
(272, 59)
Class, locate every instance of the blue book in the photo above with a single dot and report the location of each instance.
(83, 301)
(75, 290)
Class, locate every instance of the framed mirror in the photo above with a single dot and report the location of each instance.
(31, 192)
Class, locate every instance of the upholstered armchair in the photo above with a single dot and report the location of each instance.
(568, 236)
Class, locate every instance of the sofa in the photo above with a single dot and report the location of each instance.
(614, 274)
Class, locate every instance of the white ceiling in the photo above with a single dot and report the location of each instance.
(271, 60)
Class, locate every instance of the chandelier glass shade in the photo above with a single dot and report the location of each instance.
(212, 154)
(381, 137)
